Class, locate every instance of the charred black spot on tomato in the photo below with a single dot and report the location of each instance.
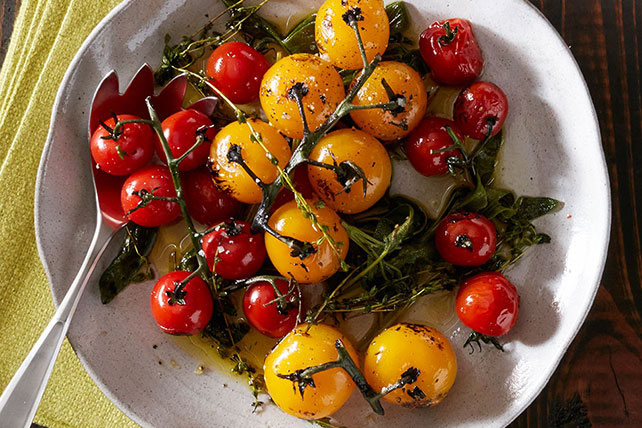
(463, 241)
(325, 188)
(416, 394)
(417, 328)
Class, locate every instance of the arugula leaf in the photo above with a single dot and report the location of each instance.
(500, 204)
(530, 208)
(131, 264)
(253, 24)
(398, 17)
(476, 200)
(217, 328)
(301, 38)
(402, 49)
(485, 158)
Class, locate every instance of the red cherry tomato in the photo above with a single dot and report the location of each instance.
(132, 149)
(431, 135)
(205, 202)
(488, 303)
(301, 184)
(180, 130)
(236, 70)
(240, 253)
(450, 50)
(466, 239)
(266, 317)
(186, 312)
(154, 179)
(479, 106)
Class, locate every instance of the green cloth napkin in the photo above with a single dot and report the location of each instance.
(45, 38)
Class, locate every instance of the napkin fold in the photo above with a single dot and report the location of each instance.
(46, 36)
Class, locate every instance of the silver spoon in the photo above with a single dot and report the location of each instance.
(21, 397)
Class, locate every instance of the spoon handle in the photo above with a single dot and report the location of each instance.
(19, 401)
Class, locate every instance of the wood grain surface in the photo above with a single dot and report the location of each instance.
(599, 381)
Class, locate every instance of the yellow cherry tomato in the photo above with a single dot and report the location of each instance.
(384, 124)
(288, 220)
(404, 346)
(367, 153)
(230, 176)
(300, 350)
(336, 39)
(322, 86)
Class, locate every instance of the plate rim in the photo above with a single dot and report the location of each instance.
(121, 8)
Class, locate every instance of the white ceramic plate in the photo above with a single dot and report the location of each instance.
(553, 148)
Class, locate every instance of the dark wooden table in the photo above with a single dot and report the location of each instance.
(599, 381)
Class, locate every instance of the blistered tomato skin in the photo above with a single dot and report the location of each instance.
(230, 176)
(411, 346)
(236, 70)
(367, 153)
(384, 124)
(300, 350)
(452, 61)
(337, 40)
(466, 239)
(133, 148)
(191, 314)
(430, 136)
(238, 252)
(180, 130)
(488, 303)
(262, 312)
(479, 106)
(153, 179)
(321, 84)
(319, 266)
